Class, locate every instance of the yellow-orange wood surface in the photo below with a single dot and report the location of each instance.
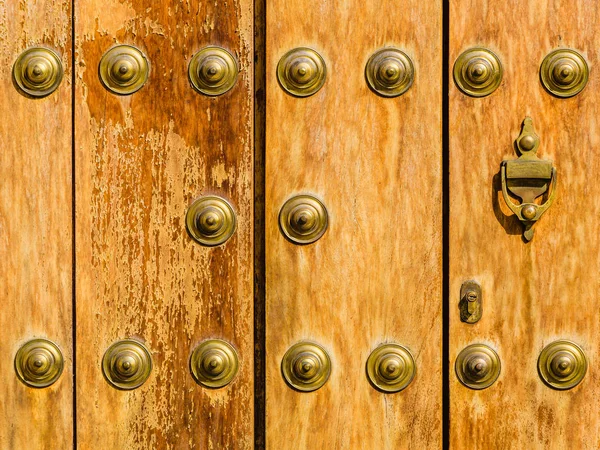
(141, 160)
(537, 292)
(375, 276)
(35, 227)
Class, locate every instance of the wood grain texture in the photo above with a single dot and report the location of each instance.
(547, 289)
(35, 227)
(375, 276)
(141, 160)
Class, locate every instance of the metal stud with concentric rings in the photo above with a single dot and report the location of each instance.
(478, 72)
(124, 69)
(389, 72)
(38, 72)
(303, 219)
(306, 366)
(477, 366)
(301, 72)
(214, 363)
(210, 220)
(39, 363)
(127, 364)
(213, 71)
(391, 368)
(562, 364)
(564, 73)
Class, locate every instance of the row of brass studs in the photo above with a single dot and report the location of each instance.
(561, 365)
(123, 70)
(127, 364)
(302, 71)
(306, 367)
(478, 72)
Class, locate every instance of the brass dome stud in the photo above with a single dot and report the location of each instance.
(478, 72)
(214, 363)
(390, 72)
(564, 73)
(391, 368)
(213, 71)
(562, 365)
(39, 363)
(301, 72)
(127, 364)
(303, 219)
(306, 366)
(210, 220)
(123, 70)
(477, 366)
(38, 72)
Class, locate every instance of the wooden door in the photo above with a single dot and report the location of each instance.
(538, 292)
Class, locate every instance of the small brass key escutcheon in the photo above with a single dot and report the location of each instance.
(214, 363)
(306, 366)
(478, 72)
(213, 71)
(301, 72)
(528, 177)
(390, 72)
(303, 219)
(562, 364)
(477, 366)
(564, 73)
(471, 300)
(391, 368)
(39, 363)
(123, 70)
(38, 72)
(210, 220)
(127, 364)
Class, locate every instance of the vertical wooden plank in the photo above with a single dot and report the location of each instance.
(35, 227)
(375, 276)
(547, 289)
(141, 160)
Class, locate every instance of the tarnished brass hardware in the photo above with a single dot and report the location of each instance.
(477, 366)
(562, 364)
(470, 304)
(478, 72)
(528, 177)
(301, 72)
(124, 69)
(390, 72)
(306, 366)
(564, 73)
(391, 368)
(127, 364)
(38, 71)
(214, 363)
(303, 219)
(39, 363)
(210, 220)
(213, 71)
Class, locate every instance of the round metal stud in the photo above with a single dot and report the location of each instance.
(562, 364)
(391, 368)
(210, 220)
(478, 72)
(303, 219)
(127, 364)
(301, 72)
(39, 363)
(390, 72)
(213, 71)
(477, 366)
(214, 363)
(124, 69)
(564, 73)
(306, 366)
(38, 71)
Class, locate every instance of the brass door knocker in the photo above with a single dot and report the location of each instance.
(528, 177)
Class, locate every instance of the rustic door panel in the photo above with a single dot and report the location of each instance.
(36, 225)
(533, 292)
(141, 161)
(374, 277)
